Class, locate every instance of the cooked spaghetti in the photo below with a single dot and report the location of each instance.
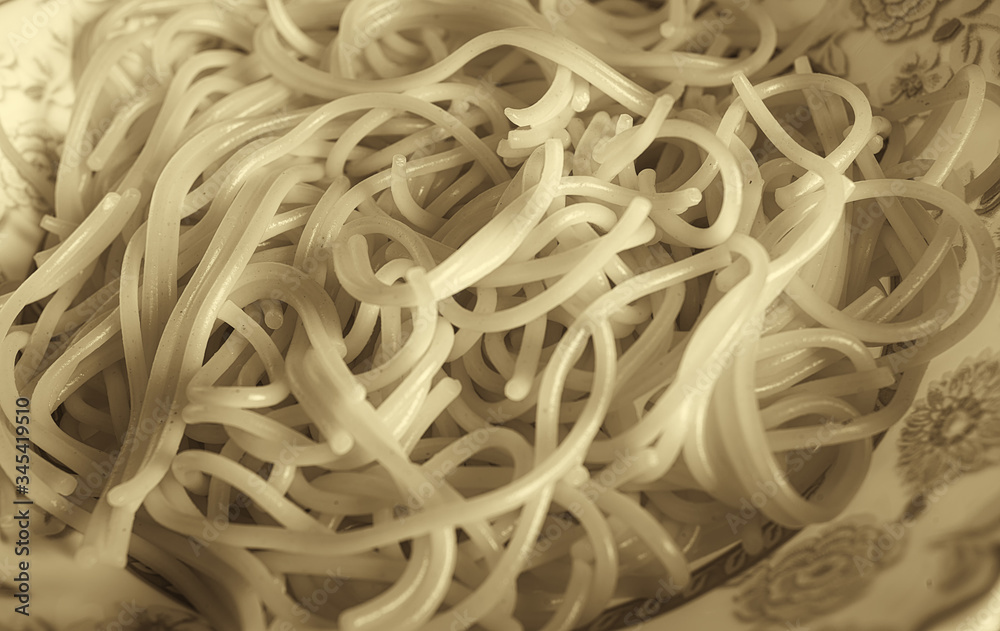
(493, 312)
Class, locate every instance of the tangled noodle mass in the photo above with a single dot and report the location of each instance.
(496, 310)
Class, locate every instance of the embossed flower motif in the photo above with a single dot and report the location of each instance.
(36, 146)
(955, 429)
(916, 73)
(9, 78)
(817, 575)
(893, 20)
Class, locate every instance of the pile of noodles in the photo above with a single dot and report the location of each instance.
(472, 314)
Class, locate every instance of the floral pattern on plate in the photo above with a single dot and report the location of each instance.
(955, 428)
(916, 73)
(36, 144)
(817, 575)
(892, 20)
(918, 44)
